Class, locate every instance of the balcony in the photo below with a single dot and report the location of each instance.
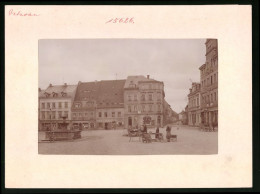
(209, 104)
(209, 87)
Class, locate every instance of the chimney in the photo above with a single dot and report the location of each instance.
(148, 76)
(79, 82)
(50, 85)
(65, 84)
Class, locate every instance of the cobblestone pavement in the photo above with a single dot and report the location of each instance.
(190, 140)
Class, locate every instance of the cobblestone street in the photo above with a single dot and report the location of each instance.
(115, 142)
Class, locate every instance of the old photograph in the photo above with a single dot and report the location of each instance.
(128, 96)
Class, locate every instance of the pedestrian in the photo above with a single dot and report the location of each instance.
(157, 132)
(145, 129)
(168, 133)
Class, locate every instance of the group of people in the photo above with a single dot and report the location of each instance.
(143, 130)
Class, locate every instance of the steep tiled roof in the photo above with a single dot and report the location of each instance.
(111, 93)
(59, 90)
(87, 91)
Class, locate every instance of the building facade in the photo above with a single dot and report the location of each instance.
(55, 106)
(194, 112)
(209, 84)
(107, 104)
(110, 104)
(143, 102)
(84, 106)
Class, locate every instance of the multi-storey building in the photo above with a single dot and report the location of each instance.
(194, 105)
(110, 104)
(84, 106)
(55, 106)
(209, 84)
(143, 101)
(105, 104)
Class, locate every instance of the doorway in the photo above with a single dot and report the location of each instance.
(129, 121)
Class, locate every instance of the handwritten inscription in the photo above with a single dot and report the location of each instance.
(19, 13)
(121, 20)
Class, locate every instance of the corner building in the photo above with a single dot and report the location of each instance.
(209, 84)
(55, 106)
(143, 102)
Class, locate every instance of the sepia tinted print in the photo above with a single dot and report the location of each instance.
(128, 96)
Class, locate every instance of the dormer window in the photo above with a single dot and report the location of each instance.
(63, 94)
(46, 94)
(54, 94)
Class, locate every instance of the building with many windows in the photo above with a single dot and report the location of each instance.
(55, 106)
(110, 104)
(209, 84)
(194, 105)
(143, 101)
(84, 106)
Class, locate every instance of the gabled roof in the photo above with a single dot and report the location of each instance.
(59, 90)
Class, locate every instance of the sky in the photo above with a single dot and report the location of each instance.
(176, 62)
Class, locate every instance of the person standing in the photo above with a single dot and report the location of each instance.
(157, 132)
(145, 129)
(168, 133)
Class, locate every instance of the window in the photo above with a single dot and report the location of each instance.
(105, 114)
(80, 115)
(158, 96)
(53, 105)
(48, 105)
(135, 108)
(66, 104)
(159, 108)
(60, 105)
(150, 107)
(129, 98)
(150, 97)
(113, 114)
(135, 97)
(197, 101)
(119, 114)
(143, 108)
(66, 114)
(43, 105)
(129, 108)
(60, 114)
(215, 96)
(100, 114)
(74, 115)
(49, 115)
(211, 80)
(143, 97)
(43, 114)
(215, 78)
(86, 114)
(53, 114)
(211, 97)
